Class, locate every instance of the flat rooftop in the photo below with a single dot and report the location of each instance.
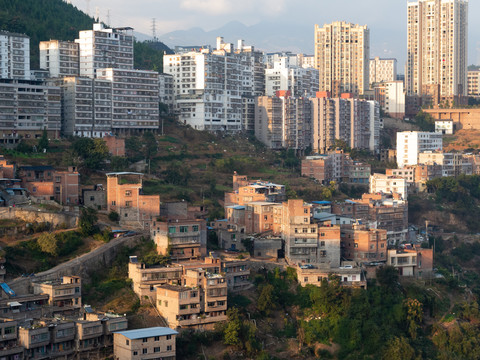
(147, 332)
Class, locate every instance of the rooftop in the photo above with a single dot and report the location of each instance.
(147, 332)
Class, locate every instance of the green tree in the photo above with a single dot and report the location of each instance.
(88, 219)
(231, 334)
(113, 216)
(43, 142)
(48, 244)
(399, 349)
(387, 277)
(266, 300)
(150, 146)
(414, 309)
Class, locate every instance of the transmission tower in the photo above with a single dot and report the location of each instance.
(154, 29)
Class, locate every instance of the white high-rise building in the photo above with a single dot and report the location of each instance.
(301, 82)
(342, 56)
(102, 48)
(412, 143)
(382, 70)
(60, 58)
(14, 56)
(210, 85)
(437, 47)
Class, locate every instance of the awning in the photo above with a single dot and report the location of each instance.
(14, 303)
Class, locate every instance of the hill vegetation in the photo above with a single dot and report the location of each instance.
(43, 20)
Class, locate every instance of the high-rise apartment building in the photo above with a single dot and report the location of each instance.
(382, 70)
(60, 58)
(210, 85)
(354, 121)
(105, 48)
(342, 56)
(301, 82)
(29, 107)
(14, 56)
(135, 99)
(411, 143)
(282, 121)
(437, 47)
(87, 107)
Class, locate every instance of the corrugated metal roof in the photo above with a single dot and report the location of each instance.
(147, 332)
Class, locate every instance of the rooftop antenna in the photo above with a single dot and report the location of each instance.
(97, 13)
(154, 29)
(108, 17)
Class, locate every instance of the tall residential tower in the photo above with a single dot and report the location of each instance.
(342, 56)
(437, 47)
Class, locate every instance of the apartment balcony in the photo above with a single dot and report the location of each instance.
(189, 311)
(7, 351)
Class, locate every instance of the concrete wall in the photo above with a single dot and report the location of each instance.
(71, 219)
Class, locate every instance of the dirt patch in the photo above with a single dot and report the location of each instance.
(463, 140)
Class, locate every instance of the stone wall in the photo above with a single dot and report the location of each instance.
(31, 216)
(96, 260)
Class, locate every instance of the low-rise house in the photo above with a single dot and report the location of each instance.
(35, 338)
(385, 184)
(349, 275)
(147, 343)
(145, 278)
(363, 245)
(115, 145)
(65, 292)
(7, 170)
(95, 198)
(44, 182)
(412, 261)
(9, 345)
(181, 239)
(125, 196)
(200, 303)
(267, 247)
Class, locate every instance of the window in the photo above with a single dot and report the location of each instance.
(322, 243)
(169, 348)
(128, 203)
(172, 229)
(113, 203)
(169, 337)
(144, 340)
(157, 349)
(57, 179)
(135, 353)
(128, 192)
(144, 351)
(183, 229)
(195, 228)
(127, 342)
(305, 279)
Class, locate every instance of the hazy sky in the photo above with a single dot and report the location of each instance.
(385, 18)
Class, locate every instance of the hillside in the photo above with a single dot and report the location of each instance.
(55, 19)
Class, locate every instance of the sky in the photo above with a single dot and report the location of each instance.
(386, 19)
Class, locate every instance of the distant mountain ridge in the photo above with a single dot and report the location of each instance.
(273, 36)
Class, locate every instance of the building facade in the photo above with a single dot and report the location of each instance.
(411, 143)
(60, 58)
(382, 70)
(437, 47)
(14, 56)
(342, 57)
